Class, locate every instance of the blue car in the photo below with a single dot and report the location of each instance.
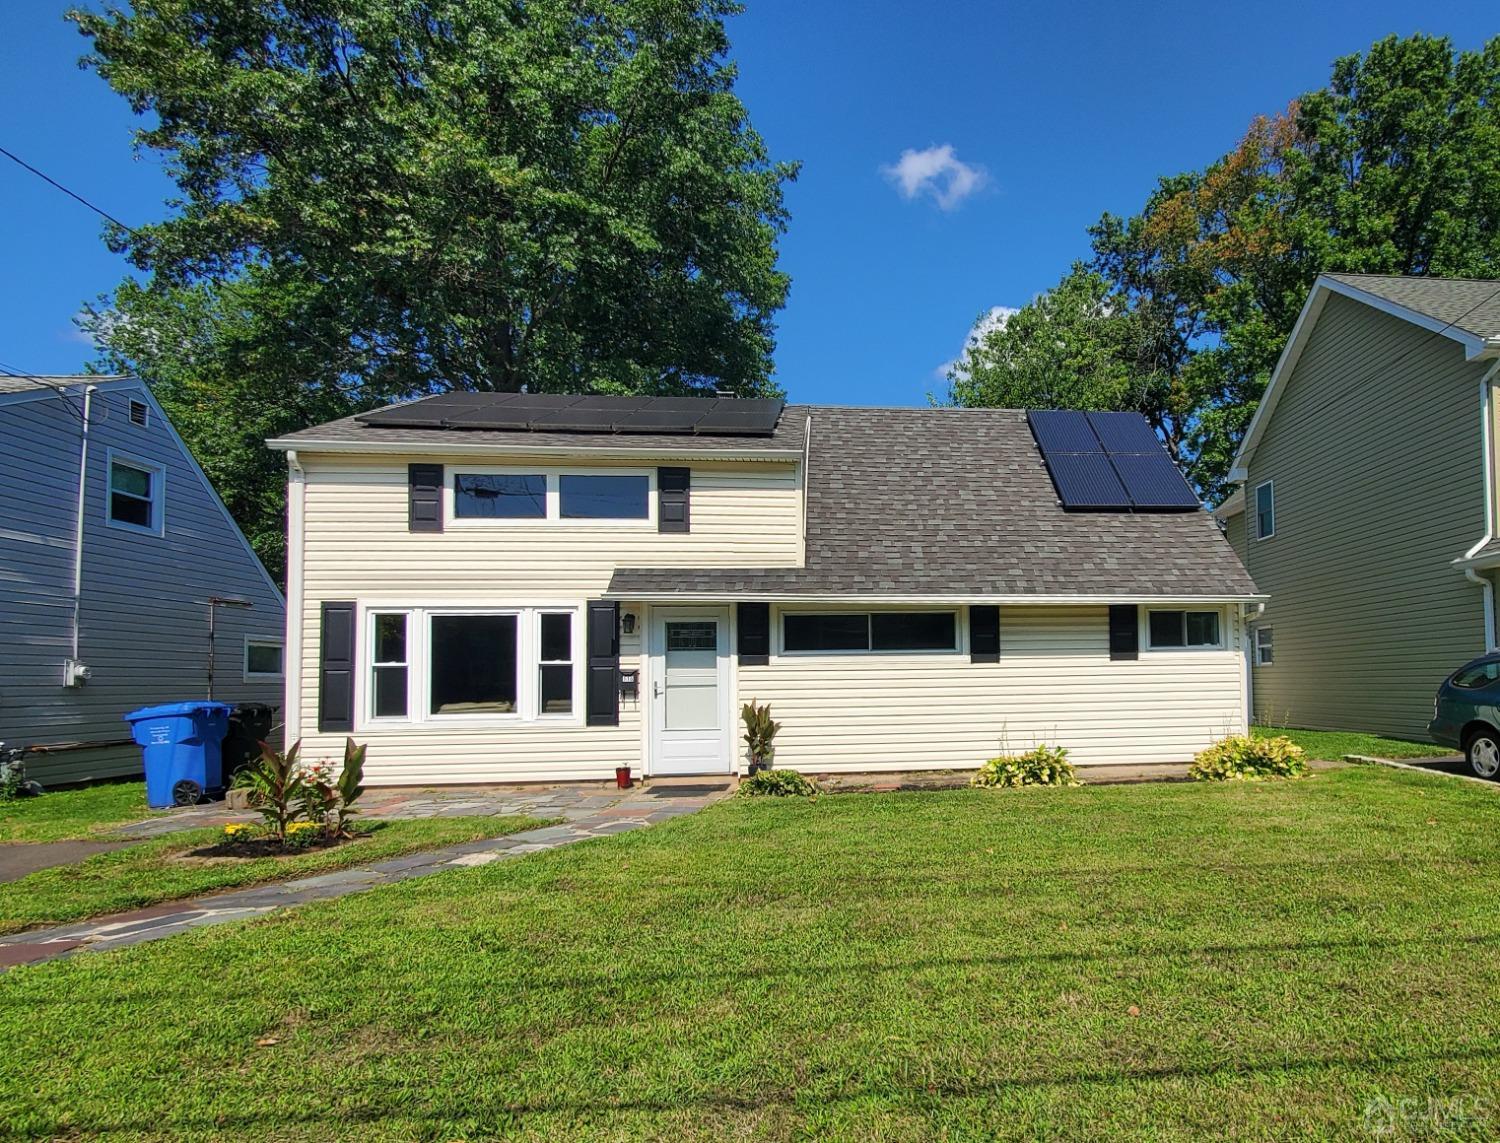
(1466, 714)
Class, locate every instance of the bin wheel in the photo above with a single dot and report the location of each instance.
(187, 793)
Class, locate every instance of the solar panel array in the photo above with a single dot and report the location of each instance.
(555, 413)
(1109, 462)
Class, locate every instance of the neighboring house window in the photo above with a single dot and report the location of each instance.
(502, 496)
(1183, 629)
(873, 631)
(1265, 510)
(263, 659)
(135, 495)
(139, 413)
(389, 673)
(604, 497)
(442, 665)
(1264, 647)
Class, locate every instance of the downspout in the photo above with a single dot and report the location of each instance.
(291, 710)
(806, 488)
(83, 471)
(1486, 585)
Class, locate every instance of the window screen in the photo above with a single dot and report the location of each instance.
(604, 497)
(500, 497)
(826, 632)
(912, 631)
(263, 658)
(132, 492)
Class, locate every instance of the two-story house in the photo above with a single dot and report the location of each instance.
(1366, 507)
(123, 580)
(509, 587)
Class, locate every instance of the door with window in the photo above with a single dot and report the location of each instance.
(691, 728)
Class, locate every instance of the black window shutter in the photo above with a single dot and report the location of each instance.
(753, 626)
(424, 503)
(336, 668)
(984, 634)
(603, 701)
(673, 491)
(1124, 631)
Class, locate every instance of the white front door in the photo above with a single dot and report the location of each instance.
(691, 729)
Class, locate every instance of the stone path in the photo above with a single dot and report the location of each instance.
(587, 811)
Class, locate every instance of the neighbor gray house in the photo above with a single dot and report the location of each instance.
(115, 551)
(1366, 502)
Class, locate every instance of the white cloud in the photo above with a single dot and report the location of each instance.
(938, 173)
(994, 318)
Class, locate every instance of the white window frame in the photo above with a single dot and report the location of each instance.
(781, 616)
(1255, 510)
(554, 518)
(158, 493)
(419, 659)
(264, 641)
(1261, 648)
(368, 663)
(1186, 609)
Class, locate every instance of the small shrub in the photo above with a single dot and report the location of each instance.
(1245, 759)
(760, 735)
(276, 787)
(1040, 766)
(778, 784)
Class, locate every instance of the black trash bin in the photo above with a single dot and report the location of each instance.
(249, 726)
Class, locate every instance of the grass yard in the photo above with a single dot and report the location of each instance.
(1334, 744)
(164, 870)
(1156, 961)
(73, 815)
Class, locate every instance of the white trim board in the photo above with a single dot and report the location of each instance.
(1474, 347)
(493, 448)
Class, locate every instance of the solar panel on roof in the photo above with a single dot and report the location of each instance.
(546, 412)
(1087, 480)
(1104, 461)
(1123, 432)
(1153, 481)
(1062, 430)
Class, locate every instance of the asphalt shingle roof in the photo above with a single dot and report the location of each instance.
(28, 384)
(1468, 304)
(957, 502)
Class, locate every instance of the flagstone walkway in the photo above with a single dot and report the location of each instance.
(587, 811)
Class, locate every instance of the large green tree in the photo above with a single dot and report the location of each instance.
(382, 198)
(1394, 167)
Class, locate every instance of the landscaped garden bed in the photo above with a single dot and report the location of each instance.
(1276, 959)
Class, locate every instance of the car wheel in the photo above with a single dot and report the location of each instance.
(1483, 753)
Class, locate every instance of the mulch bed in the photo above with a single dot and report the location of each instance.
(269, 847)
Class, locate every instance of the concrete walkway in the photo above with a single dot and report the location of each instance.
(587, 811)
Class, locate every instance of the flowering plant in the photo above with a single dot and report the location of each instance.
(238, 831)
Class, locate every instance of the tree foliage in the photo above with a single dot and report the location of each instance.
(382, 198)
(1394, 168)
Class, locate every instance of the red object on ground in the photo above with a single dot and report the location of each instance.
(622, 777)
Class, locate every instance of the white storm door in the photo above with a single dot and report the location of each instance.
(690, 723)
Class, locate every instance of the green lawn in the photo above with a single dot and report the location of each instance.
(1334, 744)
(163, 870)
(68, 815)
(1162, 961)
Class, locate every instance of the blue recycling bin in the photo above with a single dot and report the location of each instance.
(181, 743)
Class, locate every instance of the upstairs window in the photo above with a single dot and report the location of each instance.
(604, 497)
(1265, 510)
(135, 495)
(1265, 647)
(1168, 629)
(500, 497)
(874, 631)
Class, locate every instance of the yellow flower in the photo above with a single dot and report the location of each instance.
(236, 829)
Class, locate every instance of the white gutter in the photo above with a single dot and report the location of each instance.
(83, 472)
(1487, 448)
(854, 598)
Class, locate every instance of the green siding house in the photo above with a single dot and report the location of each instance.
(1365, 507)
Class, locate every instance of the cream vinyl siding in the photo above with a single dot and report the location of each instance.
(356, 546)
(1375, 450)
(1055, 684)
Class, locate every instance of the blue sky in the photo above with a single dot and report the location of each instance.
(1024, 122)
